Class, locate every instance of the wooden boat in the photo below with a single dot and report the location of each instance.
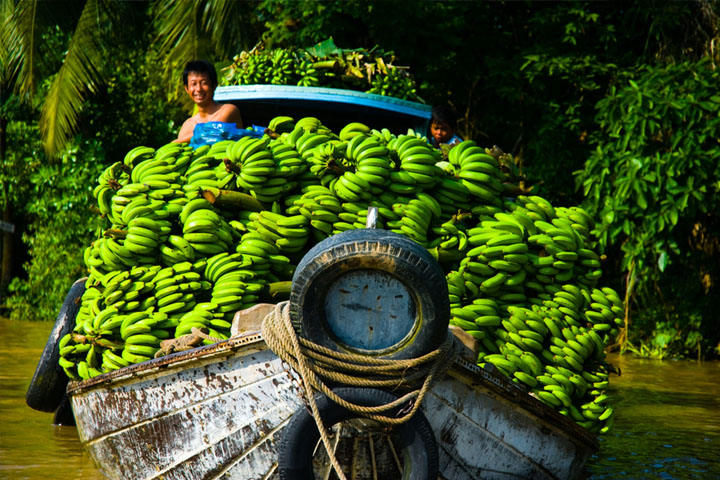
(217, 412)
(220, 411)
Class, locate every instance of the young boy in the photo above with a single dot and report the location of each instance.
(443, 121)
(200, 80)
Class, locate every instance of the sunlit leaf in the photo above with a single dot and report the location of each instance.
(663, 261)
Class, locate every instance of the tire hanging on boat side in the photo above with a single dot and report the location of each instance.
(382, 253)
(47, 387)
(416, 444)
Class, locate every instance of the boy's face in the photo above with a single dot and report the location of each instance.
(441, 132)
(199, 88)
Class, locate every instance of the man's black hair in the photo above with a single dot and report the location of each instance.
(444, 114)
(200, 66)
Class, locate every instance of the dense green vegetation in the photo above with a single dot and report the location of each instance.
(608, 105)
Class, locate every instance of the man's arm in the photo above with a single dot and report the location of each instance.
(186, 131)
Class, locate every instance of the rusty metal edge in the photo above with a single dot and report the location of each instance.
(461, 370)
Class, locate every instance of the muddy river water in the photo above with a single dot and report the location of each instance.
(667, 419)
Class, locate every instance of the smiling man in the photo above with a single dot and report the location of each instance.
(200, 80)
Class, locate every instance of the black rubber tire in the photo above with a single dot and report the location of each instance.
(371, 249)
(64, 415)
(416, 446)
(48, 384)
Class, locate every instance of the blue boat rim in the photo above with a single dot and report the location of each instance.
(321, 94)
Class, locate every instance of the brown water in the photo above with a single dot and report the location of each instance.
(667, 420)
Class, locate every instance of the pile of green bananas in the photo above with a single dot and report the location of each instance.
(370, 71)
(194, 235)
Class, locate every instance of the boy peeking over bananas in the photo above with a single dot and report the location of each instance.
(200, 80)
(443, 121)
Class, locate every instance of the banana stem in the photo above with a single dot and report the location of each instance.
(446, 256)
(278, 290)
(325, 64)
(239, 200)
(115, 233)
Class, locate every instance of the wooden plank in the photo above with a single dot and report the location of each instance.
(106, 409)
(479, 432)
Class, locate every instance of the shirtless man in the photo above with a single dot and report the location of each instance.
(200, 79)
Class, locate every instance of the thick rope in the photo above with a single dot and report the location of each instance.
(314, 362)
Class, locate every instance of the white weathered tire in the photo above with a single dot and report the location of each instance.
(371, 292)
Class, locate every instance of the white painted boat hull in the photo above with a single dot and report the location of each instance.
(217, 412)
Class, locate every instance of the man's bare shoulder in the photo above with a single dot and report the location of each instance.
(229, 113)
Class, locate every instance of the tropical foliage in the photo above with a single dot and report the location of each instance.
(607, 104)
(653, 181)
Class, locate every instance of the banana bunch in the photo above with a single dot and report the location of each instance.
(249, 164)
(308, 75)
(288, 162)
(326, 159)
(416, 218)
(478, 171)
(204, 229)
(319, 208)
(606, 312)
(252, 68)
(343, 69)
(290, 233)
(418, 159)
(145, 235)
(112, 178)
(352, 129)
(372, 161)
(367, 170)
(450, 234)
(281, 124)
(201, 171)
(383, 136)
(395, 83)
(282, 67)
(177, 288)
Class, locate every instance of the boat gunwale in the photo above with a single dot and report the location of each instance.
(461, 370)
(174, 359)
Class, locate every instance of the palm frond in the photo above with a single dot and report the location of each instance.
(178, 32)
(19, 40)
(81, 73)
(222, 19)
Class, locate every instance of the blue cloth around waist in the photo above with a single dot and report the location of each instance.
(212, 132)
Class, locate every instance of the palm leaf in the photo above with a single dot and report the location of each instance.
(194, 29)
(80, 74)
(221, 19)
(178, 32)
(20, 45)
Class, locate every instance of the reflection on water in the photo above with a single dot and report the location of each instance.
(667, 423)
(30, 446)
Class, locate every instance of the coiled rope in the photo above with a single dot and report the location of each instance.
(314, 363)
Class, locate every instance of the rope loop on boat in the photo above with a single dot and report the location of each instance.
(315, 362)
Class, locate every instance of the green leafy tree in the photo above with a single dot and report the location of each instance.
(62, 222)
(653, 181)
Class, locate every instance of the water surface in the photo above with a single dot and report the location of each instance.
(667, 419)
